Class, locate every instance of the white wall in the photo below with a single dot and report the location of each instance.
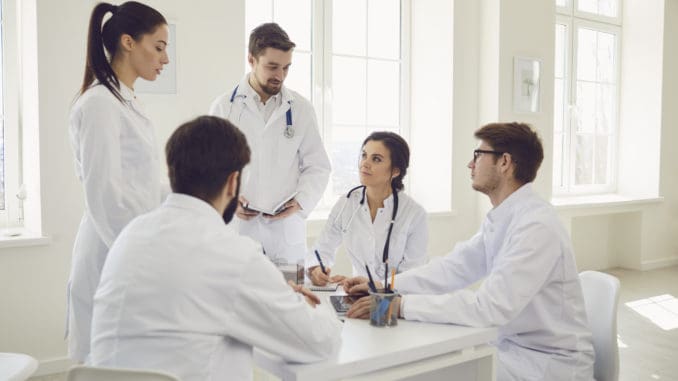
(486, 36)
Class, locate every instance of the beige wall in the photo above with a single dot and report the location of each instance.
(486, 36)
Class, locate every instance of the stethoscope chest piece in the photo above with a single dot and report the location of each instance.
(289, 132)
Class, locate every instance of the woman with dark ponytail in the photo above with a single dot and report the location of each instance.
(114, 146)
(380, 226)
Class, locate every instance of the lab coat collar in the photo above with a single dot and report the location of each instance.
(127, 93)
(184, 201)
(507, 207)
(244, 89)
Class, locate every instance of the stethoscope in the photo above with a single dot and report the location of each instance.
(289, 130)
(362, 202)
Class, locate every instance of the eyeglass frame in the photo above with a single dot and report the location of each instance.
(477, 152)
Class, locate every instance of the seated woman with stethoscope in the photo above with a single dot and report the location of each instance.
(379, 225)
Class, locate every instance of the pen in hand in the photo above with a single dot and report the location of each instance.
(320, 261)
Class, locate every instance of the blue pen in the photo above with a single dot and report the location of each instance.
(371, 282)
(320, 261)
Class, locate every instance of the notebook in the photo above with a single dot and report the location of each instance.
(328, 287)
(273, 211)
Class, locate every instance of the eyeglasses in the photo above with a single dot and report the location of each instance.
(477, 153)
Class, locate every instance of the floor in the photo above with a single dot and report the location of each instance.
(647, 351)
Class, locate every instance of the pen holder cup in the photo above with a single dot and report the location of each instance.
(291, 271)
(384, 308)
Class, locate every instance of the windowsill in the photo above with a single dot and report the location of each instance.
(606, 201)
(22, 238)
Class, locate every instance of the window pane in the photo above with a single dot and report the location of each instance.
(558, 107)
(257, 12)
(606, 57)
(607, 8)
(606, 110)
(561, 38)
(586, 107)
(383, 33)
(383, 93)
(345, 156)
(561, 3)
(299, 77)
(2, 119)
(601, 160)
(586, 54)
(349, 25)
(584, 157)
(349, 79)
(558, 144)
(295, 17)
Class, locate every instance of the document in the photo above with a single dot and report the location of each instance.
(277, 209)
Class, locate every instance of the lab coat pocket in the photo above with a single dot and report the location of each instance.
(295, 229)
(287, 152)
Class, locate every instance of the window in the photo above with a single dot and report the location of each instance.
(349, 63)
(586, 101)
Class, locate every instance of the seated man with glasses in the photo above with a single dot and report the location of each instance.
(530, 290)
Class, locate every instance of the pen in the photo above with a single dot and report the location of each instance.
(371, 282)
(386, 277)
(393, 271)
(320, 261)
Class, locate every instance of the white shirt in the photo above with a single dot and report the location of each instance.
(117, 163)
(531, 291)
(183, 293)
(351, 224)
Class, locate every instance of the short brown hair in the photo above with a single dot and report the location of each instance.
(269, 35)
(519, 140)
(202, 154)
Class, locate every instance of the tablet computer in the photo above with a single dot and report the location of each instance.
(342, 303)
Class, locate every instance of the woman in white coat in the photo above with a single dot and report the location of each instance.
(379, 225)
(114, 146)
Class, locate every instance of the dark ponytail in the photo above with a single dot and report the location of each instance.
(400, 154)
(132, 18)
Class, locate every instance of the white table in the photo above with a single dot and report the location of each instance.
(412, 350)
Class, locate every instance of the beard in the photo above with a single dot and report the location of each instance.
(229, 212)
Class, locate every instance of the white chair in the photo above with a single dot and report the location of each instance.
(601, 295)
(16, 366)
(90, 373)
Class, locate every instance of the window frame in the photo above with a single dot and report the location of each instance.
(10, 215)
(321, 81)
(573, 21)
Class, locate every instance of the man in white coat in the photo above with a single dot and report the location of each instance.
(288, 156)
(531, 289)
(182, 293)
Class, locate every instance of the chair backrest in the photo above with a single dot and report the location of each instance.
(601, 295)
(90, 373)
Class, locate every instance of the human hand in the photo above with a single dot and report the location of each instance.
(289, 209)
(359, 285)
(311, 298)
(242, 212)
(361, 308)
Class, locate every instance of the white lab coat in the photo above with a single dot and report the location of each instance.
(351, 223)
(183, 293)
(531, 291)
(116, 161)
(278, 167)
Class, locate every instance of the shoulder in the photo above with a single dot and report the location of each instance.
(408, 203)
(299, 100)
(95, 97)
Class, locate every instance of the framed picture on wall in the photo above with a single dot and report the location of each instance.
(526, 77)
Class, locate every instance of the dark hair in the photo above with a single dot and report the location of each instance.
(202, 153)
(519, 140)
(132, 18)
(269, 35)
(400, 154)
